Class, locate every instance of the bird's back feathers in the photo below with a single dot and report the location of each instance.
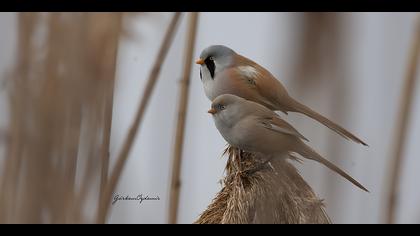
(269, 91)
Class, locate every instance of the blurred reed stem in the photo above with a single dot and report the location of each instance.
(402, 124)
(106, 196)
(182, 111)
(59, 113)
(109, 70)
(12, 165)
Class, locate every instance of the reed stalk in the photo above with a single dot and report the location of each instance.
(147, 92)
(59, 94)
(402, 124)
(182, 112)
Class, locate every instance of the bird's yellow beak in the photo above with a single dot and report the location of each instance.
(212, 111)
(199, 61)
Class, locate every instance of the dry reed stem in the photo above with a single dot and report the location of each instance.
(57, 115)
(403, 123)
(182, 111)
(109, 70)
(274, 194)
(105, 199)
(26, 25)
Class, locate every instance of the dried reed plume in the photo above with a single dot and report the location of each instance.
(61, 95)
(276, 194)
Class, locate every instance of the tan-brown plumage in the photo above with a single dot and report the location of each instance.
(238, 75)
(267, 90)
(276, 194)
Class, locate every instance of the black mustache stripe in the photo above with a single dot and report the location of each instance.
(211, 66)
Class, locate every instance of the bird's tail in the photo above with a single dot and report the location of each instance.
(298, 107)
(309, 153)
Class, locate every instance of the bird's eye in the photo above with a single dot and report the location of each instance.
(221, 107)
(211, 58)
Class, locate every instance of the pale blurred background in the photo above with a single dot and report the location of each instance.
(347, 66)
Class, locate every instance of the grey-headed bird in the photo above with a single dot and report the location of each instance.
(252, 127)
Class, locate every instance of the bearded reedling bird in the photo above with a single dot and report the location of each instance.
(254, 128)
(223, 71)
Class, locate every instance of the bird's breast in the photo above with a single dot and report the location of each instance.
(221, 84)
(226, 129)
(209, 89)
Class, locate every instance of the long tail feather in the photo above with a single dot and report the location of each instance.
(309, 153)
(298, 107)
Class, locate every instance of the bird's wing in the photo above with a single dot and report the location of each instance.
(276, 124)
(248, 78)
(271, 93)
(268, 88)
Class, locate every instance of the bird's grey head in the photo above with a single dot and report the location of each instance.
(215, 58)
(227, 107)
